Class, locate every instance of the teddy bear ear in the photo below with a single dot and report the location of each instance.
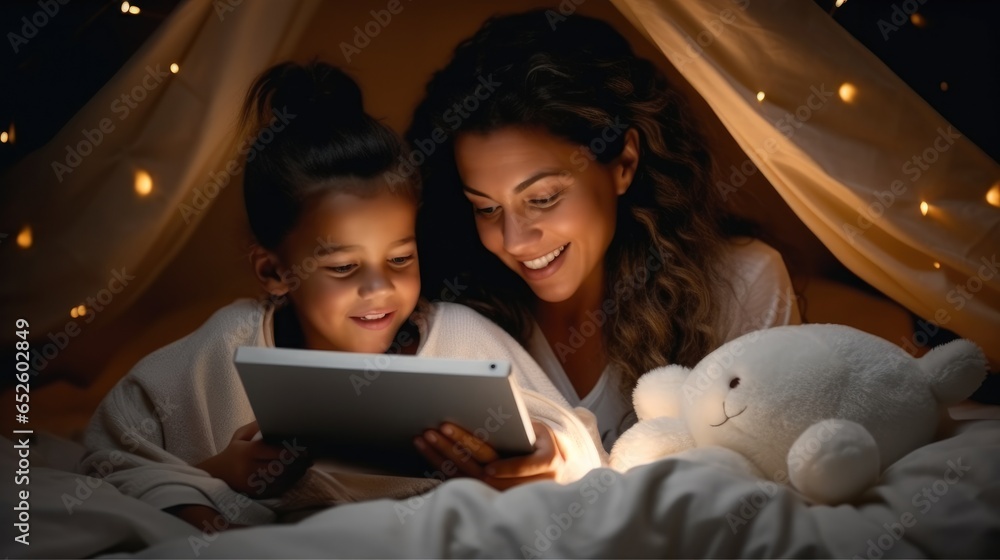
(658, 393)
(955, 369)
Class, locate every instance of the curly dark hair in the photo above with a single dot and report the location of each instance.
(575, 80)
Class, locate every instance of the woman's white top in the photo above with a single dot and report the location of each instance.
(761, 297)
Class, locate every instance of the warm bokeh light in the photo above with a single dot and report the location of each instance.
(133, 10)
(73, 313)
(840, 3)
(993, 195)
(175, 68)
(3, 137)
(125, 7)
(760, 96)
(937, 264)
(143, 183)
(944, 86)
(24, 237)
(81, 310)
(847, 92)
(924, 207)
(918, 20)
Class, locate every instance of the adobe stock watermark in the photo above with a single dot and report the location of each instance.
(203, 196)
(923, 501)
(133, 437)
(495, 419)
(565, 9)
(913, 168)
(958, 297)
(622, 289)
(583, 156)
(225, 7)
(593, 487)
(121, 106)
(803, 452)
(726, 356)
(788, 124)
(47, 10)
(259, 481)
(60, 339)
(711, 30)
(900, 15)
(453, 116)
(365, 34)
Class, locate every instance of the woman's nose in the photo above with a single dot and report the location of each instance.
(519, 235)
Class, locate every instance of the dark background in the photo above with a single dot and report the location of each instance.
(83, 45)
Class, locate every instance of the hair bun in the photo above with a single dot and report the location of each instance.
(317, 93)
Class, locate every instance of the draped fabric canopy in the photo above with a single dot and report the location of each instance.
(853, 161)
(850, 147)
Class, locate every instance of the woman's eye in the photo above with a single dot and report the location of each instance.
(399, 261)
(488, 211)
(545, 202)
(344, 269)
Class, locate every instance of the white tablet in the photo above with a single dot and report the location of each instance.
(365, 409)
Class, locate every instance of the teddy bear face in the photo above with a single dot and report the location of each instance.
(732, 400)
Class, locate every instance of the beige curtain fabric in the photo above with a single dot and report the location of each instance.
(850, 147)
(853, 168)
(95, 239)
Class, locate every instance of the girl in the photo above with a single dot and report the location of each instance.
(595, 235)
(335, 248)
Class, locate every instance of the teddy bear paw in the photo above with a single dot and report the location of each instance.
(833, 461)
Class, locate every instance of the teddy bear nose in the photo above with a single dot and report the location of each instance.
(734, 383)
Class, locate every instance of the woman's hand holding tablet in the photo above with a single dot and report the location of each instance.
(455, 452)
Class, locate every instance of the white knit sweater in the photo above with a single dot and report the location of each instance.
(181, 404)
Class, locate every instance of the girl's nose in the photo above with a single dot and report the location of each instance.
(375, 283)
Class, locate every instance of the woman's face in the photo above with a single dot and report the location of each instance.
(350, 265)
(543, 205)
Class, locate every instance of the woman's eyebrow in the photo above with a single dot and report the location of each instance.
(523, 184)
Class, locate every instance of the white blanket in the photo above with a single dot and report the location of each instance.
(181, 404)
(942, 500)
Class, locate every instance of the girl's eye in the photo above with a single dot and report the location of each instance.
(341, 269)
(400, 261)
(488, 211)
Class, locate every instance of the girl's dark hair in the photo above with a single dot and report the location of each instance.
(578, 78)
(306, 127)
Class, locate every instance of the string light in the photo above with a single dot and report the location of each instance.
(937, 264)
(134, 10)
(924, 207)
(175, 68)
(81, 310)
(993, 195)
(24, 237)
(847, 92)
(3, 137)
(7, 136)
(73, 313)
(125, 7)
(840, 3)
(143, 183)
(917, 20)
(944, 86)
(760, 96)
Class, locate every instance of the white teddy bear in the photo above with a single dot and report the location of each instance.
(824, 408)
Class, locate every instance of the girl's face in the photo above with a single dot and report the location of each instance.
(350, 265)
(543, 206)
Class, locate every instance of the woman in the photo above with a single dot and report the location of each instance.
(568, 197)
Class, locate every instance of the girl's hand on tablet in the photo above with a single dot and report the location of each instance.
(247, 465)
(455, 452)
